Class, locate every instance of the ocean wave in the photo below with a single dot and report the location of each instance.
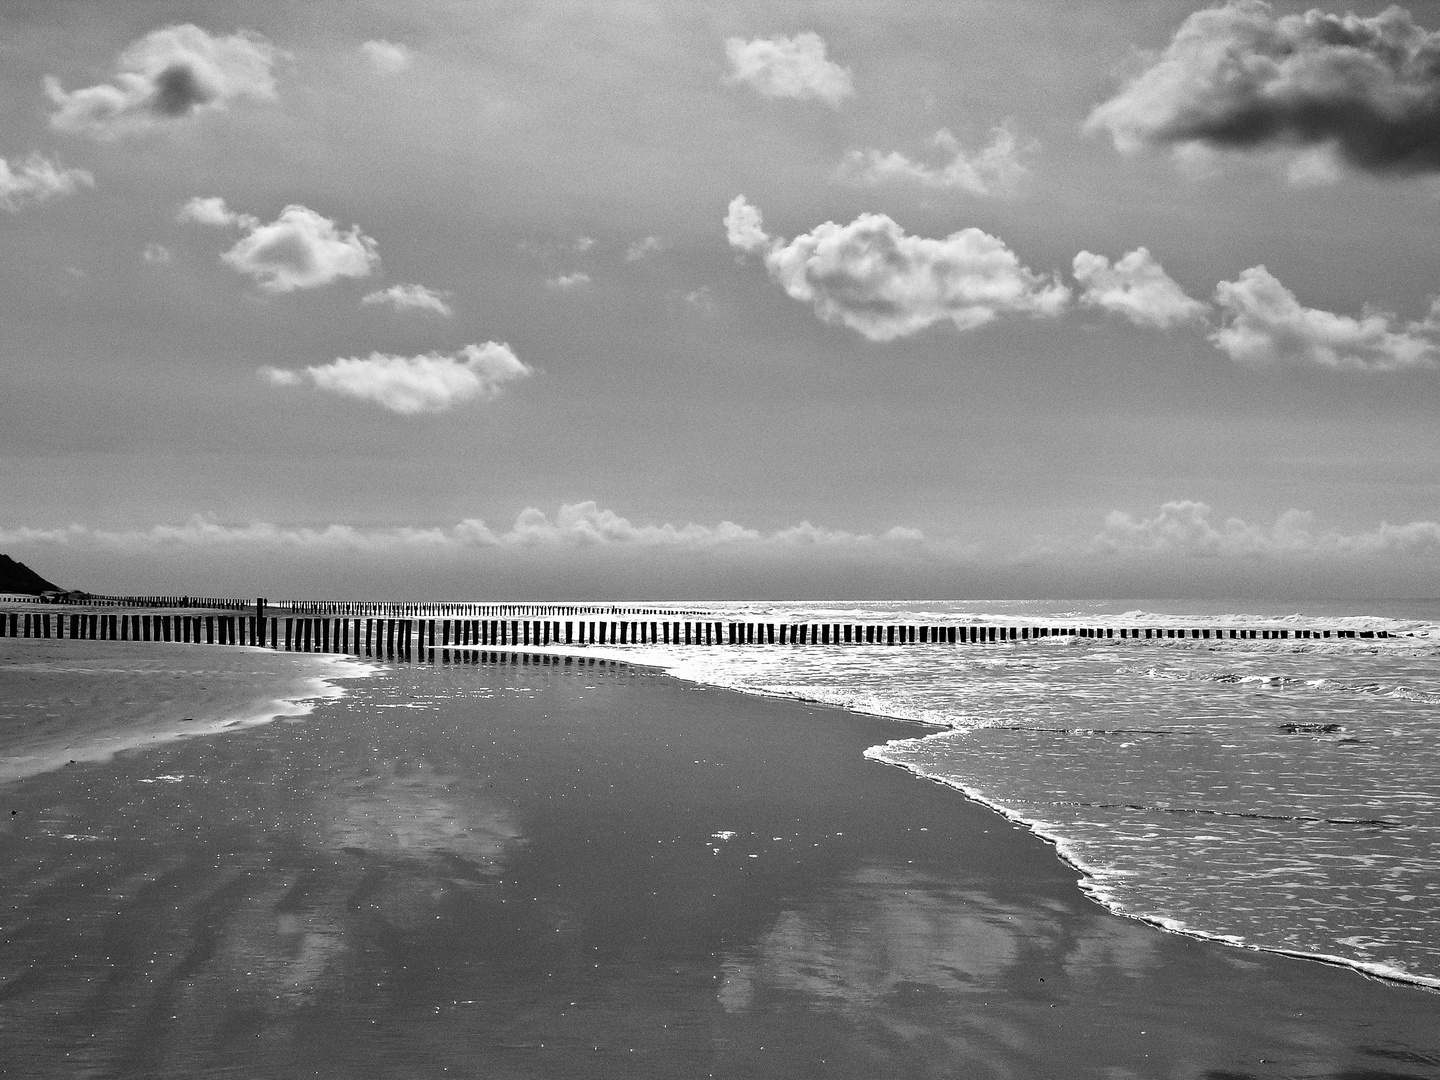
(1114, 888)
(1281, 682)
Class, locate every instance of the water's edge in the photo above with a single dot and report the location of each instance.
(1090, 877)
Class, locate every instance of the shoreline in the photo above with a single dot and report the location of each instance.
(553, 869)
(1090, 882)
(1087, 885)
(134, 708)
(321, 686)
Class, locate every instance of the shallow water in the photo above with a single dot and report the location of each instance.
(64, 701)
(1282, 795)
(533, 868)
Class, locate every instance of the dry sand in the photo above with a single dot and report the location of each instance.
(552, 870)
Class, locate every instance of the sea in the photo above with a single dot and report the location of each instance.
(1276, 794)
(1279, 795)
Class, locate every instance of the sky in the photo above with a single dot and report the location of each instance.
(548, 300)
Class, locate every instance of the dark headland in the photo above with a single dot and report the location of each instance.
(16, 577)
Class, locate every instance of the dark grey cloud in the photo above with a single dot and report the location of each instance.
(178, 90)
(1239, 77)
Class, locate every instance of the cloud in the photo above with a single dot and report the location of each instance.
(870, 276)
(156, 253)
(574, 525)
(387, 57)
(279, 376)
(1188, 528)
(587, 524)
(568, 282)
(167, 76)
(639, 249)
(35, 179)
(411, 385)
(701, 299)
(409, 297)
(212, 210)
(994, 169)
(1136, 287)
(1264, 325)
(1239, 77)
(744, 226)
(1181, 528)
(782, 67)
(298, 250)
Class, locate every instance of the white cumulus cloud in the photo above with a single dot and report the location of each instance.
(871, 276)
(211, 210)
(1187, 527)
(795, 67)
(994, 169)
(744, 226)
(36, 178)
(1264, 325)
(410, 297)
(411, 385)
(298, 250)
(387, 57)
(167, 76)
(574, 525)
(1136, 287)
(568, 282)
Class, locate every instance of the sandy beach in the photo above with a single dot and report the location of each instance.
(61, 704)
(559, 869)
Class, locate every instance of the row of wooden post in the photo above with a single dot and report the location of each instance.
(436, 610)
(372, 636)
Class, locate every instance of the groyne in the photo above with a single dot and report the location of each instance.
(401, 630)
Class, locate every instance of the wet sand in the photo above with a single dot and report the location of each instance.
(65, 701)
(552, 870)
